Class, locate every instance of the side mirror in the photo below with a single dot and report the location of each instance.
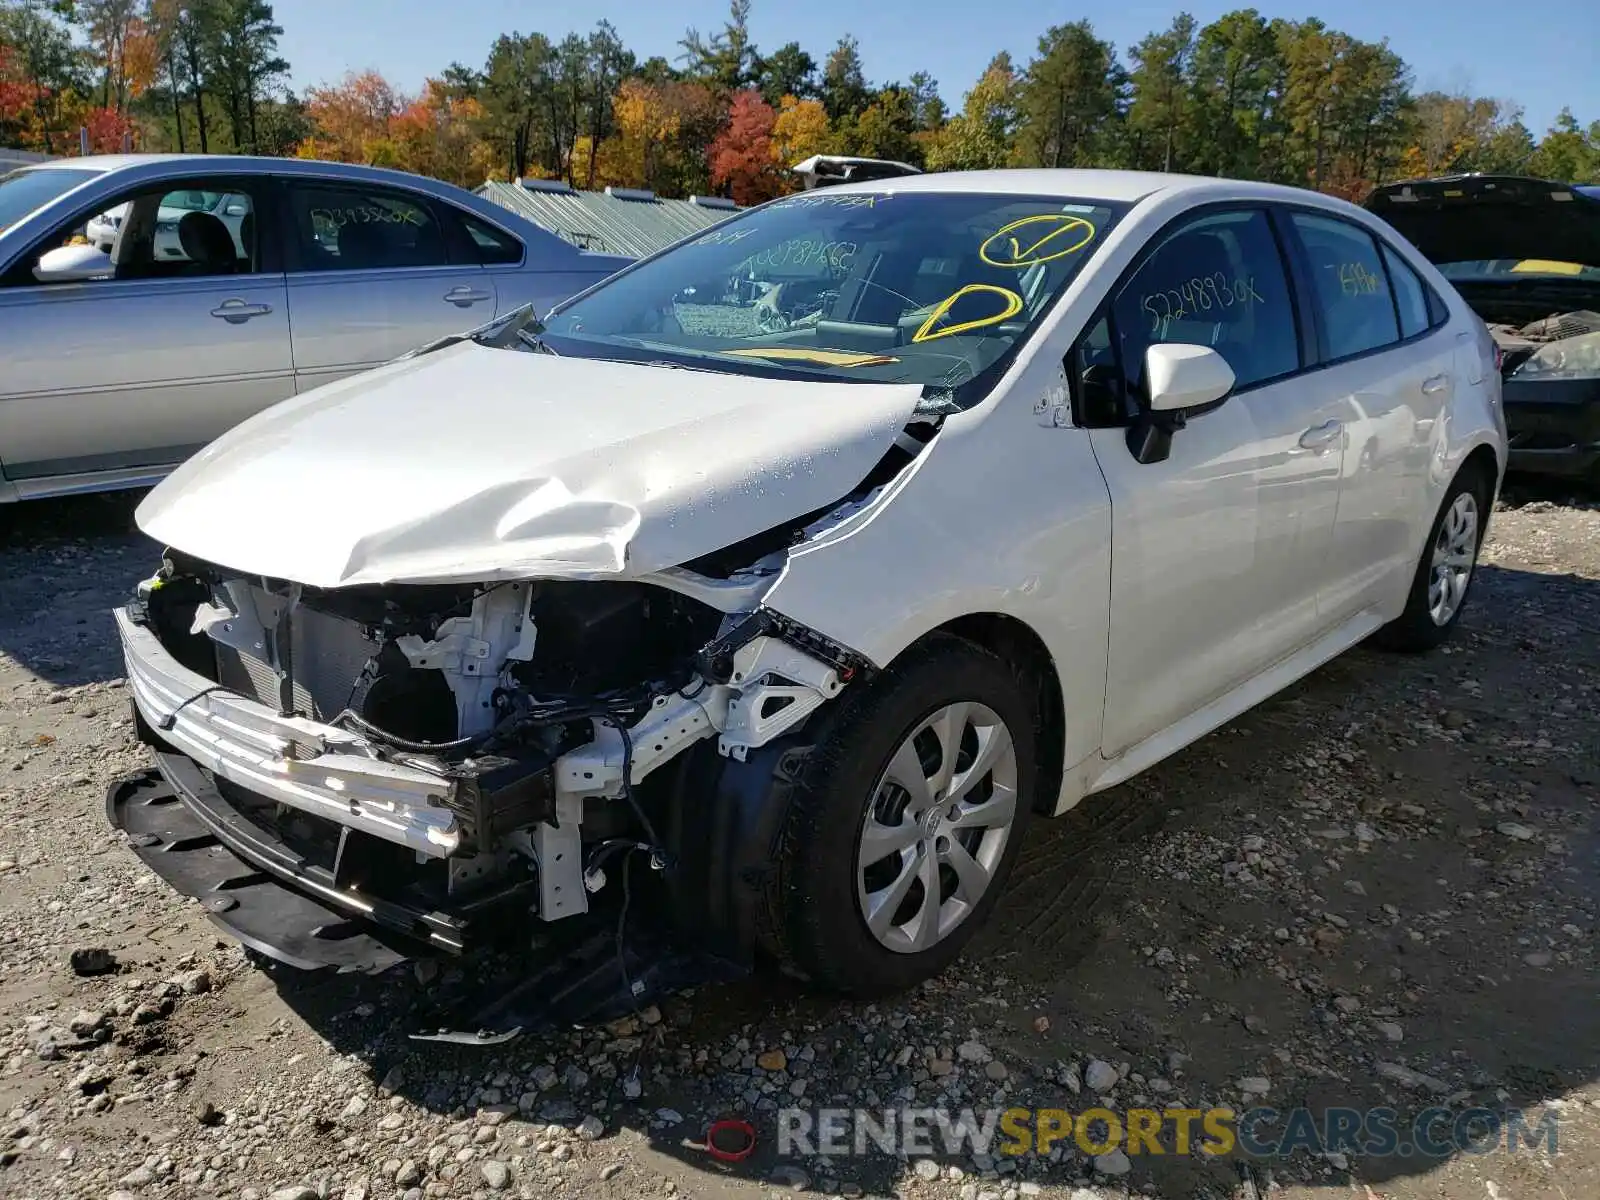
(74, 264)
(1177, 378)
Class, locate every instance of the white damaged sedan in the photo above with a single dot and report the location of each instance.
(774, 584)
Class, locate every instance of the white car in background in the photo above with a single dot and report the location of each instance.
(1043, 475)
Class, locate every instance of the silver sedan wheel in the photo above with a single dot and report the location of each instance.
(937, 826)
(1455, 551)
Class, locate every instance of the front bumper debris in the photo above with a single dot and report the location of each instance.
(303, 764)
(189, 839)
(261, 893)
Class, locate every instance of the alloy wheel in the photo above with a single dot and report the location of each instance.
(1455, 553)
(936, 828)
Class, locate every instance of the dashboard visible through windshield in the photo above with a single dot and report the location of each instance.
(936, 289)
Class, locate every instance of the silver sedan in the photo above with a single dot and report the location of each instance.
(230, 284)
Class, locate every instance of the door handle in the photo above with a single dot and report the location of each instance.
(237, 312)
(1434, 384)
(465, 297)
(1319, 437)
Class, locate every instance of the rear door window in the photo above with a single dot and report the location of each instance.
(345, 228)
(1349, 283)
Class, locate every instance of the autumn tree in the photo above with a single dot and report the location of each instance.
(663, 131)
(886, 128)
(107, 25)
(742, 158)
(353, 120)
(45, 63)
(16, 97)
(800, 130)
(980, 136)
(436, 135)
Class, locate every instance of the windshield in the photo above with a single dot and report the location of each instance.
(1516, 268)
(936, 289)
(23, 191)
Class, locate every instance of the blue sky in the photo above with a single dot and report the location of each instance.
(1542, 57)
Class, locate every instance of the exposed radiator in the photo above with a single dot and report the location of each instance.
(328, 654)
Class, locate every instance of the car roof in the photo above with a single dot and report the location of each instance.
(1118, 187)
(235, 164)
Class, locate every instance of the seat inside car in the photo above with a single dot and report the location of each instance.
(361, 245)
(207, 244)
(247, 242)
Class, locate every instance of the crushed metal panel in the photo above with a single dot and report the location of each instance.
(638, 480)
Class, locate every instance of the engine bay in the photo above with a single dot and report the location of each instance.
(1566, 343)
(544, 710)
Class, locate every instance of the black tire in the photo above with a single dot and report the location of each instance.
(814, 926)
(1415, 631)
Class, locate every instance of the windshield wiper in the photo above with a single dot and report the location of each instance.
(535, 342)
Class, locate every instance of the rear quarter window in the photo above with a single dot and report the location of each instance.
(494, 247)
(1411, 296)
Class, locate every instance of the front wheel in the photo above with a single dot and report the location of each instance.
(1444, 575)
(908, 816)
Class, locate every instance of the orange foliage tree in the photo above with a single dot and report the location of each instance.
(365, 120)
(436, 134)
(742, 154)
(107, 129)
(16, 96)
(800, 130)
(352, 120)
(661, 131)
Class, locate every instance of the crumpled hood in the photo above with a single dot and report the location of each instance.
(471, 464)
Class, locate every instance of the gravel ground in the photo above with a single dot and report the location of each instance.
(1379, 888)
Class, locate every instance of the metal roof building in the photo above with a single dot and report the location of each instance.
(10, 160)
(628, 221)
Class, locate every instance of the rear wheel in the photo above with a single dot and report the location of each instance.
(909, 814)
(1444, 575)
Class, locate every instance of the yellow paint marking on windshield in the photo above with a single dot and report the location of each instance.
(832, 358)
(1545, 266)
(927, 333)
(1052, 236)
